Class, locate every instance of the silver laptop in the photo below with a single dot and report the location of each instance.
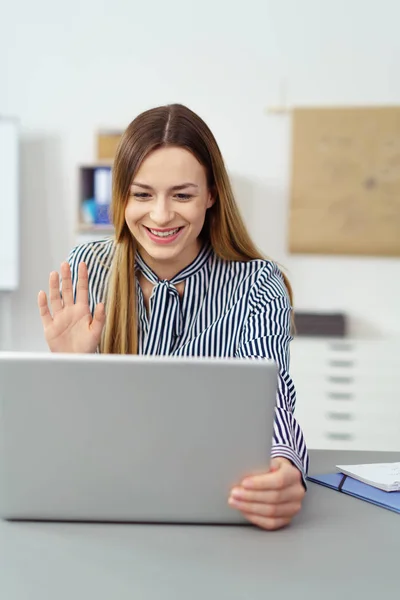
(129, 438)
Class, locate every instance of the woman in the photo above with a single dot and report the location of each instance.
(182, 277)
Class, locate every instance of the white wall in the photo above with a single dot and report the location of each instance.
(67, 69)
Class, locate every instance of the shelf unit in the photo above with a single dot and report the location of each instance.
(92, 220)
(86, 225)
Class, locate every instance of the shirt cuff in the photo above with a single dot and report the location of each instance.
(279, 450)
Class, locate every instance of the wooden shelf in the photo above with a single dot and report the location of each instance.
(88, 228)
(98, 164)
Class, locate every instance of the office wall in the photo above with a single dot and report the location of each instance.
(67, 69)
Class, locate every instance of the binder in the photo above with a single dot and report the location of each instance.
(347, 485)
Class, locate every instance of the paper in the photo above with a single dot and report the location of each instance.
(384, 476)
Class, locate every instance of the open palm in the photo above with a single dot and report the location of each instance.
(70, 327)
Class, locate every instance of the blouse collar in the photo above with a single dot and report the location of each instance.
(194, 267)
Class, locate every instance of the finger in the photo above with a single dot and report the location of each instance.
(54, 292)
(99, 318)
(66, 285)
(45, 315)
(272, 511)
(266, 522)
(82, 287)
(285, 476)
(291, 493)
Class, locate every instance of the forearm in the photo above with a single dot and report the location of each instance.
(288, 440)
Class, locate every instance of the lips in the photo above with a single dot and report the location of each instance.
(163, 236)
(162, 233)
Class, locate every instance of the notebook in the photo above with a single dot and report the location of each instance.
(384, 476)
(352, 487)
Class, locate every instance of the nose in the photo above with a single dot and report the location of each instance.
(161, 213)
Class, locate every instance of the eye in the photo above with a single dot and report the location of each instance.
(183, 196)
(141, 195)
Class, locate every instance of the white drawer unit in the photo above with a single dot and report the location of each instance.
(348, 392)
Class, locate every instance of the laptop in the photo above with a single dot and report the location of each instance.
(116, 438)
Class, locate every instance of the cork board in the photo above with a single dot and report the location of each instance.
(345, 189)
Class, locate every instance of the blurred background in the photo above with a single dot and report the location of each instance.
(71, 70)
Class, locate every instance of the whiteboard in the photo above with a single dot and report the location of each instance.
(9, 204)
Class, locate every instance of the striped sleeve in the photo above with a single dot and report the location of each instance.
(267, 335)
(97, 257)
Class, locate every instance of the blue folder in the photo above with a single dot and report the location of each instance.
(353, 487)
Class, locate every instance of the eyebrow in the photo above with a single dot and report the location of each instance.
(174, 188)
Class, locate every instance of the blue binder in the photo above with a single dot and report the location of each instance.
(353, 487)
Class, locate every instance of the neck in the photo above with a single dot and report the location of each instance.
(167, 269)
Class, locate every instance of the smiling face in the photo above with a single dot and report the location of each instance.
(167, 205)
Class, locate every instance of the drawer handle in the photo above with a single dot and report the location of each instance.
(340, 347)
(337, 379)
(345, 437)
(340, 396)
(339, 416)
(341, 363)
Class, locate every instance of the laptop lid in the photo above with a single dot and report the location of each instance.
(131, 438)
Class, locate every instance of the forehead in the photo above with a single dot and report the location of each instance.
(170, 166)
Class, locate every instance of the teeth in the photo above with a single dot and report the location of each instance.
(165, 233)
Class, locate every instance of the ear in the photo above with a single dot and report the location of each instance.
(211, 198)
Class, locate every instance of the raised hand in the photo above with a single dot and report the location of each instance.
(69, 327)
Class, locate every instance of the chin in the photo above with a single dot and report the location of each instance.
(177, 249)
(162, 253)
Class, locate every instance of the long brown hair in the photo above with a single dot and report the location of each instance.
(172, 125)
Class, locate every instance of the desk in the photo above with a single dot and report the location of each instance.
(338, 547)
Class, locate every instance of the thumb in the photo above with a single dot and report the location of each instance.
(99, 318)
(280, 462)
(275, 465)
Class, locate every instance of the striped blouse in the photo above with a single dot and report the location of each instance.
(229, 309)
